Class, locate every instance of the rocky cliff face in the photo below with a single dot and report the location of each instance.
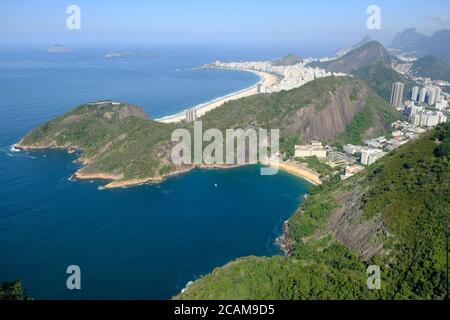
(348, 226)
(327, 122)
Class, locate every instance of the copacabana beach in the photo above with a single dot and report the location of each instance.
(267, 81)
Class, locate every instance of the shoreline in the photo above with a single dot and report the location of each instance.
(266, 79)
(115, 181)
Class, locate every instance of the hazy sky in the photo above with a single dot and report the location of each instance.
(317, 22)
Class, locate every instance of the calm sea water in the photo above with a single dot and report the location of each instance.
(145, 242)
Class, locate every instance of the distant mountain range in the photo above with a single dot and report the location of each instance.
(420, 45)
(407, 38)
(289, 60)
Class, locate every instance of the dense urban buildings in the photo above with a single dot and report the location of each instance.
(293, 76)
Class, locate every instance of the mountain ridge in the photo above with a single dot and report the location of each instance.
(342, 52)
(407, 38)
(368, 54)
(437, 44)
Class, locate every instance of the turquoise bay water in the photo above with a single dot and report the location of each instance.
(138, 243)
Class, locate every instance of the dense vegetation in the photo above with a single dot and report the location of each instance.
(405, 196)
(318, 166)
(114, 139)
(12, 291)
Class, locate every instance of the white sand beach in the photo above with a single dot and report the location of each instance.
(267, 80)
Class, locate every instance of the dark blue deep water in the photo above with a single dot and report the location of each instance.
(139, 243)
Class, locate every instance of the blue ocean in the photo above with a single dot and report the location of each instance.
(146, 242)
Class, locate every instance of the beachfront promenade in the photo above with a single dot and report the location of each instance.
(267, 80)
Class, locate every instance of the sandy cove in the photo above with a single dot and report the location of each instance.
(267, 80)
(297, 169)
(118, 182)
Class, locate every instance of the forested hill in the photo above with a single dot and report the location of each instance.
(394, 215)
(369, 54)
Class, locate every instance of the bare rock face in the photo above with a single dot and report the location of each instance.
(128, 110)
(327, 123)
(348, 226)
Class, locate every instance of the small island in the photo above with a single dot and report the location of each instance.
(57, 48)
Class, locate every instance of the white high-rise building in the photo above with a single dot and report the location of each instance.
(431, 93)
(438, 94)
(415, 94)
(191, 115)
(370, 156)
(423, 95)
(397, 95)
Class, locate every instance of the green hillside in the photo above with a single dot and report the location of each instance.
(394, 215)
(113, 139)
(431, 67)
(380, 77)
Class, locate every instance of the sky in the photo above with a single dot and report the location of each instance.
(315, 23)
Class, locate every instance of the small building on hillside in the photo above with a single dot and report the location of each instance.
(369, 156)
(351, 171)
(314, 149)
